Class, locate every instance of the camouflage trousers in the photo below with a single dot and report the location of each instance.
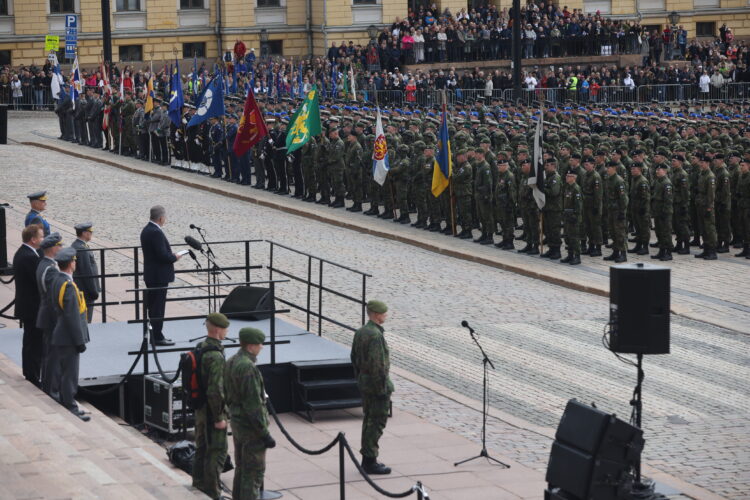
(745, 224)
(552, 222)
(338, 186)
(618, 228)
(375, 411)
(681, 223)
(724, 223)
(355, 181)
(250, 463)
(663, 227)
(401, 188)
(505, 216)
(642, 225)
(484, 210)
(210, 455)
(465, 214)
(420, 200)
(530, 216)
(592, 224)
(572, 234)
(706, 226)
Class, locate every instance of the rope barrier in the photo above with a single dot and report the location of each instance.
(9, 281)
(341, 438)
(6, 308)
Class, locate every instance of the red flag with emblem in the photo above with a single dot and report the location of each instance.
(252, 126)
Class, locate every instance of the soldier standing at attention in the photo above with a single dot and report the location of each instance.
(399, 174)
(662, 206)
(86, 267)
(38, 203)
(640, 204)
(483, 197)
(505, 204)
(592, 209)
(529, 211)
(681, 218)
(462, 180)
(354, 163)
(371, 366)
(336, 167)
(70, 334)
(211, 418)
(617, 207)
(245, 397)
(705, 192)
(723, 204)
(552, 210)
(45, 320)
(572, 212)
(743, 204)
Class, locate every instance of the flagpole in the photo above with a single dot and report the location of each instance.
(451, 199)
(541, 212)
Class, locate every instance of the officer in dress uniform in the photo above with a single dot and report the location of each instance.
(46, 318)
(38, 203)
(86, 267)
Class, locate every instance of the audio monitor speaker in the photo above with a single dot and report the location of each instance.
(639, 309)
(243, 301)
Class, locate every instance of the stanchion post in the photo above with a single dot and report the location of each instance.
(342, 470)
(247, 261)
(135, 282)
(273, 325)
(145, 337)
(320, 299)
(103, 272)
(309, 288)
(364, 298)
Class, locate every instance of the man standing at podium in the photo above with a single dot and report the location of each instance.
(158, 271)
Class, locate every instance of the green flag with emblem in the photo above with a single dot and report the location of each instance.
(305, 122)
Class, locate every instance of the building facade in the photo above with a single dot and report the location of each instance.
(159, 30)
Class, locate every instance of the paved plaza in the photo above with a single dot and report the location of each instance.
(544, 338)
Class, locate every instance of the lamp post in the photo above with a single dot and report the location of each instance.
(263, 43)
(674, 18)
(372, 32)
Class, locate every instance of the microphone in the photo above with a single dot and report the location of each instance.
(193, 226)
(195, 244)
(192, 255)
(465, 324)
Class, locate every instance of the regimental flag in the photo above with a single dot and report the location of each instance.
(351, 77)
(536, 179)
(252, 126)
(443, 168)
(149, 106)
(380, 165)
(305, 122)
(176, 99)
(211, 102)
(105, 79)
(57, 79)
(76, 87)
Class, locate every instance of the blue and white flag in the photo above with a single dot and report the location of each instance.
(380, 164)
(57, 79)
(176, 99)
(211, 102)
(75, 76)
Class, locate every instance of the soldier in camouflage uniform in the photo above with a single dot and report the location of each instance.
(354, 168)
(335, 161)
(529, 211)
(572, 213)
(483, 197)
(662, 206)
(617, 207)
(418, 189)
(552, 210)
(640, 208)
(463, 179)
(371, 362)
(322, 171)
(723, 204)
(705, 193)
(399, 174)
(592, 190)
(681, 217)
(211, 418)
(743, 205)
(506, 191)
(245, 395)
(308, 168)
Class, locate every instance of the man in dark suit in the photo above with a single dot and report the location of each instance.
(25, 262)
(158, 271)
(86, 267)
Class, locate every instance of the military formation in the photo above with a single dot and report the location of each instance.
(614, 174)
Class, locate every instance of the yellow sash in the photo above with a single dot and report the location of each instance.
(79, 296)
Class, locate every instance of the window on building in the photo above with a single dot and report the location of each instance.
(191, 4)
(194, 49)
(61, 6)
(365, 2)
(269, 3)
(650, 28)
(276, 47)
(602, 6)
(131, 53)
(644, 5)
(705, 29)
(3, 7)
(128, 5)
(5, 58)
(704, 4)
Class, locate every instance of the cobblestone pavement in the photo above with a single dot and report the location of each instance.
(544, 339)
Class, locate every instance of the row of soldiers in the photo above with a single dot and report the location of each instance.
(635, 168)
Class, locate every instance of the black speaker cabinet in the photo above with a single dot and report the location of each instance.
(639, 309)
(243, 301)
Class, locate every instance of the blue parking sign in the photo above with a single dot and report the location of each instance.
(71, 35)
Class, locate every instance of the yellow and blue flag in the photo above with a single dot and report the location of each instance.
(443, 170)
(149, 105)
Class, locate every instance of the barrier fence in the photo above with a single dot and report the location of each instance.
(28, 98)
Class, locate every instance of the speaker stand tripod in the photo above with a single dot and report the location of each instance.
(485, 407)
(637, 405)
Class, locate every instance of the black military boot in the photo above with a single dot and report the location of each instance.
(635, 249)
(696, 241)
(501, 243)
(324, 200)
(575, 260)
(534, 250)
(660, 254)
(338, 202)
(643, 250)
(654, 244)
(621, 257)
(357, 207)
(509, 245)
(596, 251)
(404, 219)
(386, 215)
(612, 256)
(374, 210)
(486, 239)
(419, 224)
(371, 466)
(546, 254)
(667, 255)
(433, 227)
(745, 251)
(568, 258)
(447, 229)
(723, 248)
(465, 234)
(684, 248)
(554, 253)
(524, 249)
(710, 253)
(703, 253)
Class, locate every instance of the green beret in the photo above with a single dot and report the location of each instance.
(218, 319)
(250, 335)
(377, 306)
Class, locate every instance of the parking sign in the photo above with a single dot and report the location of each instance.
(71, 35)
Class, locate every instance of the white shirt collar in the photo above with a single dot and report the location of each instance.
(155, 224)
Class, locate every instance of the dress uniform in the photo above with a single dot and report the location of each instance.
(46, 318)
(38, 202)
(86, 268)
(25, 263)
(71, 334)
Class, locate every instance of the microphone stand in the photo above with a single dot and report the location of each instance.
(485, 406)
(213, 273)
